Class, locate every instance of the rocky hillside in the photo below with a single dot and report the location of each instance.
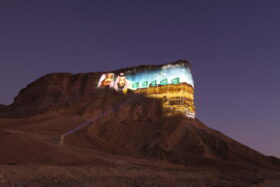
(140, 128)
(131, 130)
(58, 88)
(51, 90)
(137, 127)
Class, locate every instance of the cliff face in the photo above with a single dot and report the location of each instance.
(51, 90)
(58, 88)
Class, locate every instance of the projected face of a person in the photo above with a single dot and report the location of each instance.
(121, 82)
(108, 79)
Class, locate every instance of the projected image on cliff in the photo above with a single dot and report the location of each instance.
(106, 80)
(173, 83)
(121, 83)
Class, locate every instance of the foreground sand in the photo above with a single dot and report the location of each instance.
(123, 173)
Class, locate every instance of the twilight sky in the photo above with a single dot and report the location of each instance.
(233, 46)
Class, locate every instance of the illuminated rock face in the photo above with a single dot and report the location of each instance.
(172, 83)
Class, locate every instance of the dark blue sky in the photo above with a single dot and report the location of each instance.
(233, 46)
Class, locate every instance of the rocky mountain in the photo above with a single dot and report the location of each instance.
(57, 88)
(132, 133)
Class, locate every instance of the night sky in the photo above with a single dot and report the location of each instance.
(233, 46)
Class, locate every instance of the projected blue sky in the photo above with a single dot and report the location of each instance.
(168, 72)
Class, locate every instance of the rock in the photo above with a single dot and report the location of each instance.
(129, 125)
(58, 88)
